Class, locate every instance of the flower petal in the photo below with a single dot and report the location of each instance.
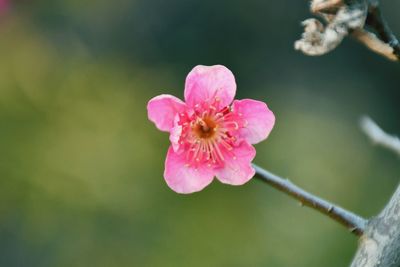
(162, 110)
(258, 119)
(175, 135)
(208, 82)
(183, 179)
(237, 169)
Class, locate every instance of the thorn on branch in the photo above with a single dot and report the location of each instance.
(330, 209)
(351, 221)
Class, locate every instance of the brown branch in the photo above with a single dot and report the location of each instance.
(376, 21)
(351, 221)
(360, 18)
(371, 41)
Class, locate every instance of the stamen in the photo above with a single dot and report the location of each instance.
(196, 152)
(200, 153)
(208, 133)
(215, 145)
(234, 123)
(218, 116)
(225, 144)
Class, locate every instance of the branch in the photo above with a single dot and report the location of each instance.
(371, 41)
(360, 18)
(380, 243)
(378, 136)
(376, 21)
(353, 222)
(318, 39)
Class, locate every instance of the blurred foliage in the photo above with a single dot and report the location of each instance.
(81, 167)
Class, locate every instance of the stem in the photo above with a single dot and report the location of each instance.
(351, 221)
(376, 21)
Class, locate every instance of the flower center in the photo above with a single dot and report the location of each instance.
(205, 128)
(209, 134)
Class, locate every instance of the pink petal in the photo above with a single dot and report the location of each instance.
(258, 119)
(237, 169)
(175, 136)
(183, 179)
(162, 110)
(209, 82)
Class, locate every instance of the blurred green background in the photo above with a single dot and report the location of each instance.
(81, 166)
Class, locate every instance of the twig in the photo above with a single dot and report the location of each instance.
(361, 19)
(382, 41)
(353, 222)
(319, 39)
(341, 18)
(380, 137)
(371, 41)
(376, 21)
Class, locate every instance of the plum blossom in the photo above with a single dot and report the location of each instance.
(211, 134)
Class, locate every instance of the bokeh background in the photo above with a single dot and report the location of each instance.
(81, 166)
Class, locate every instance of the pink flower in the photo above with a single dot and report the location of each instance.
(210, 135)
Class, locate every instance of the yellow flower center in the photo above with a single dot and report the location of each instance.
(205, 128)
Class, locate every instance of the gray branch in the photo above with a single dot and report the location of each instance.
(380, 236)
(380, 137)
(380, 243)
(351, 221)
